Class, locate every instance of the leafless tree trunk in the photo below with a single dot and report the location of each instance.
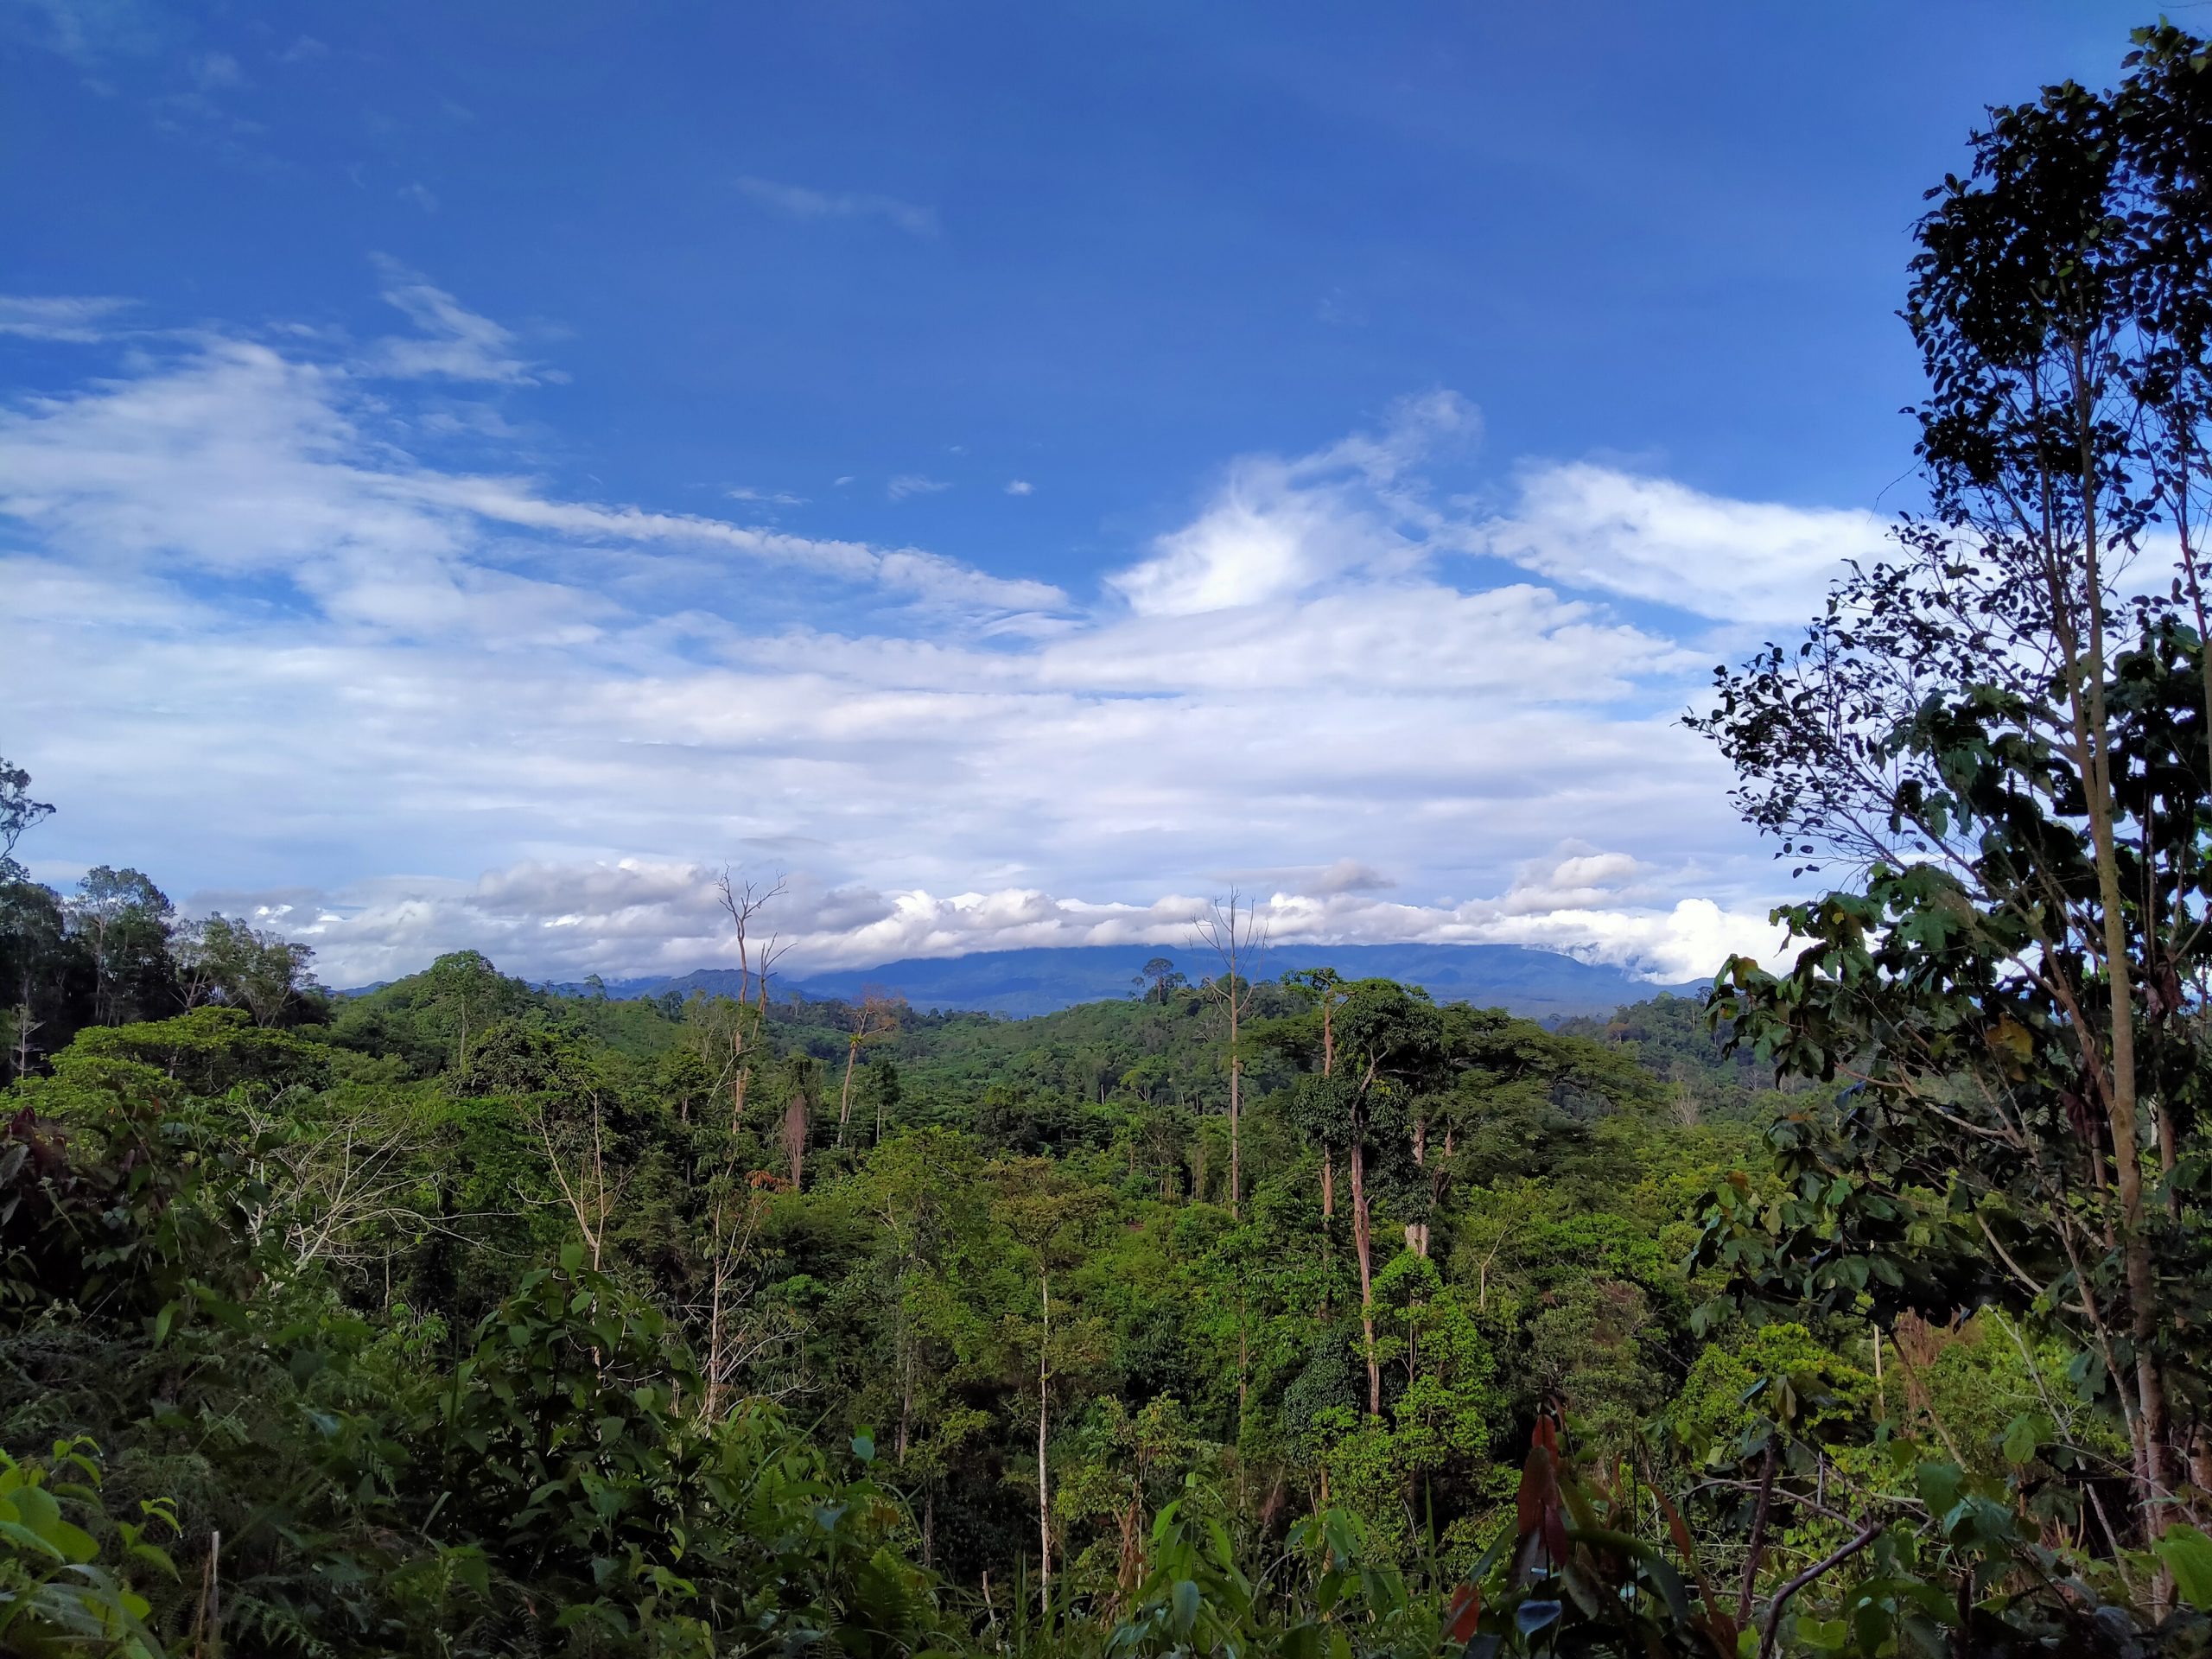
(875, 1015)
(1363, 1243)
(587, 1192)
(1235, 933)
(732, 1245)
(744, 901)
(25, 1025)
(795, 1129)
(1043, 1478)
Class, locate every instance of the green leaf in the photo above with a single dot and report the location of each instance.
(1184, 1606)
(2188, 1555)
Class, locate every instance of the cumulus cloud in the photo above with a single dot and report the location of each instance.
(1278, 527)
(797, 201)
(908, 483)
(257, 623)
(640, 917)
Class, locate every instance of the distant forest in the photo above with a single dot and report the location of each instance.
(1859, 1307)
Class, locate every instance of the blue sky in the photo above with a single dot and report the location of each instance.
(466, 472)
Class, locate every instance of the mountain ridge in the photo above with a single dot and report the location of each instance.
(1524, 980)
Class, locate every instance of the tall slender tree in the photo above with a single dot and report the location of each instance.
(2000, 732)
(1234, 931)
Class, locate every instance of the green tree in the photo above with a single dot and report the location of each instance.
(1052, 1217)
(2012, 748)
(124, 922)
(39, 959)
(463, 993)
(243, 967)
(18, 813)
(1387, 1040)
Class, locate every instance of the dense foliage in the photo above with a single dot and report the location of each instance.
(1859, 1312)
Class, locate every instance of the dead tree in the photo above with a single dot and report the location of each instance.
(1233, 930)
(744, 900)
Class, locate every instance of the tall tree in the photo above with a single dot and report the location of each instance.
(1233, 930)
(1386, 1049)
(1052, 1216)
(465, 993)
(872, 1019)
(18, 812)
(744, 900)
(1325, 986)
(243, 967)
(1159, 980)
(2002, 730)
(124, 921)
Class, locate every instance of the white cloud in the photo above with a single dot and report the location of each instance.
(1020, 486)
(908, 483)
(75, 319)
(1651, 538)
(453, 342)
(797, 201)
(423, 197)
(259, 635)
(637, 916)
(238, 459)
(1277, 527)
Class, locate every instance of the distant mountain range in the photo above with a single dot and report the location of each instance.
(1535, 984)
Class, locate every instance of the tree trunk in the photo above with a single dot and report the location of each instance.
(905, 1403)
(2093, 734)
(1243, 1365)
(737, 1068)
(1236, 1146)
(1362, 1245)
(1328, 1219)
(845, 1095)
(795, 1138)
(1043, 1480)
(714, 1332)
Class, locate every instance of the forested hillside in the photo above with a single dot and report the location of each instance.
(1540, 984)
(1017, 1258)
(1858, 1308)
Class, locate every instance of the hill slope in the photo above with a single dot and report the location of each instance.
(1535, 984)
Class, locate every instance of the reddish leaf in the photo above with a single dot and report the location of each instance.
(1463, 1614)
